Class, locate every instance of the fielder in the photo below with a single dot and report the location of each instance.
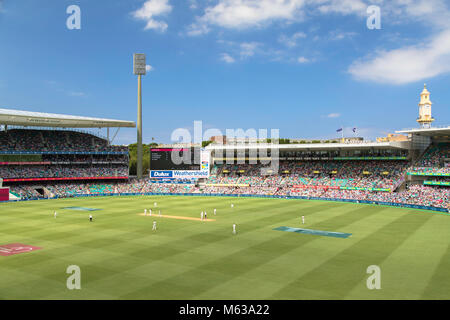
(201, 215)
(234, 228)
(155, 204)
(206, 217)
(154, 226)
(145, 212)
(90, 217)
(214, 211)
(55, 214)
(303, 219)
(232, 205)
(150, 211)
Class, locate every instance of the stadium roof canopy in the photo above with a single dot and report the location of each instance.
(429, 132)
(314, 146)
(39, 119)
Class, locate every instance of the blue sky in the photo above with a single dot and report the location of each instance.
(305, 67)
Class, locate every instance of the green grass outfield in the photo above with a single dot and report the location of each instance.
(121, 258)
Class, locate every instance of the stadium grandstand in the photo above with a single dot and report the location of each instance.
(38, 149)
(368, 172)
(63, 162)
(414, 172)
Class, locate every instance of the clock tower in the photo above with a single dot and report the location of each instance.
(425, 119)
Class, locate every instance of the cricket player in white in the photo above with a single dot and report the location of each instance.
(201, 215)
(303, 219)
(232, 205)
(155, 204)
(206, 217)
(150, 210)
(55, 214)
(234, 228)
(145, 212)
(214, 211)
(154, 226)
(90, 217)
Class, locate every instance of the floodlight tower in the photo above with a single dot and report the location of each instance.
(139, 69)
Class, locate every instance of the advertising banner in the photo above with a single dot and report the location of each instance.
(365, 189)
(427, 173)
(65, 178)
(227, 185)
(25, 163)
(305, 186)
(437, 183)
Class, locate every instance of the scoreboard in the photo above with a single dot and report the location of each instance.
(175, 159)
(182, 163)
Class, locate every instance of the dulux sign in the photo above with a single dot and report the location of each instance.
(161, 174)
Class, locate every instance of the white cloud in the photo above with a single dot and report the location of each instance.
(343, 6)
(408, 64)
(248, 49)
(193, 4)
(152, 9)
(76, 94)
(431, 12)
(148, 68)
(243, 50)
(227, 58)
(242, 14)
(341, 35)
(398, 66)
(333, 115)
(303, 60)
(291, 41)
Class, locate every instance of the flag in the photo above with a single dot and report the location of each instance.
(354, 129)
(339, 130)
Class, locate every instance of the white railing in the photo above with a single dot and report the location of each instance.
(425, 129)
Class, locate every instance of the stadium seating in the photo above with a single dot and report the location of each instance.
(53, 141)
(332, 179)
(57, 171)
(361, 174)
(61, 154)
(433, 160)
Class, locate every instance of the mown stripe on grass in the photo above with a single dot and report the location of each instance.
(344, 271)
(408, 269)
(439, 284)
(232, 265)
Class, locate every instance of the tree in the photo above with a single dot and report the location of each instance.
(206, 143)
(132, 149)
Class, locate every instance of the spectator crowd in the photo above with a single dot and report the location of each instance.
(62, 171)
(53, 141)
(331, 179)
(415, 194)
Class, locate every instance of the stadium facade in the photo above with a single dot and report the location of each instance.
(60, 161)
(37, 149)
